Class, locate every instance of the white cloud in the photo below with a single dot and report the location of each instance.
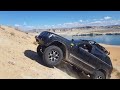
(17, 25)
(52, 25)
(30, 26)
(24, 27)
(107, 18)
(72, 24)
(81, 20)
(96, 22)
(59, 24)
(68, 23)
(45, 25)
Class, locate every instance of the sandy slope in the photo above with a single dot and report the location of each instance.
(115, 57)
(19, 60)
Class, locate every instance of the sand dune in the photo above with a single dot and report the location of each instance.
(19, 60)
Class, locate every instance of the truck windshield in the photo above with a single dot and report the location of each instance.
(44, 34)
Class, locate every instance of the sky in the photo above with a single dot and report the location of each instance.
(58, 19)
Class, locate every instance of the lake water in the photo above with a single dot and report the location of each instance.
(105, 39)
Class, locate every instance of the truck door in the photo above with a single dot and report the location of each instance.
(82, 59)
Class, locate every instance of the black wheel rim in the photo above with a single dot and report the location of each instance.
(99, 77)
(41, 49)
(53, 56)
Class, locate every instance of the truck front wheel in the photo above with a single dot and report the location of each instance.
(98, 75)
(52, 56)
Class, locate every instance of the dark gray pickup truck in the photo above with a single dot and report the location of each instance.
(85, 55)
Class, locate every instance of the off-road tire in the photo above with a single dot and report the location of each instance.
(98, 75)
(52, 56)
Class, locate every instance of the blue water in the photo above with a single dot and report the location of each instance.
(105, 39)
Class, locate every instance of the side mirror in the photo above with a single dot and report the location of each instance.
(92, 42)
(72, 40)
(36, 36)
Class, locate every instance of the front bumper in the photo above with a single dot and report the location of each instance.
(39, 40)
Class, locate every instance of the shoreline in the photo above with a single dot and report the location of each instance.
(86, 32)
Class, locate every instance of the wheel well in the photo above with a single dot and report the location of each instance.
(61, 46)
(103, 71)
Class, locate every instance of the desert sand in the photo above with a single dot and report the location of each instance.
(115, 57)
(19, 60)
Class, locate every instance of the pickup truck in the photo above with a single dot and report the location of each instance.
(86, 55)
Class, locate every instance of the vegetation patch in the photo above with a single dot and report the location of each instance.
(118, 75)
(12, 34)
(116, 72)
(35, 43)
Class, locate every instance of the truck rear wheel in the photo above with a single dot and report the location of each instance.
(52, 56)
(98, 75)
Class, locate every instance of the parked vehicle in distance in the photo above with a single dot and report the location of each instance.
(85, 55)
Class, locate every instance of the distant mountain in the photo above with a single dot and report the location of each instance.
(84, 27)
(114, 26)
